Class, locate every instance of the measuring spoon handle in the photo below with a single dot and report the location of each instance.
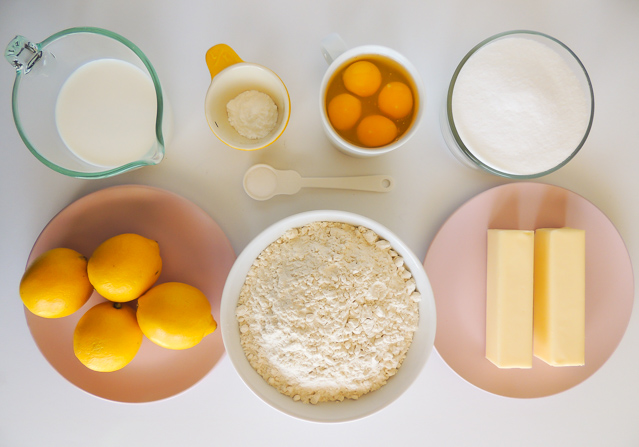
(374, 183)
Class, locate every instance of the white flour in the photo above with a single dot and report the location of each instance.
(252, 114)
(518, 107)
(327, 312)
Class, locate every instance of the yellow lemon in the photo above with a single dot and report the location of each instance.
(125, 266)
(175, 315)
(107, 337)
(56, 283)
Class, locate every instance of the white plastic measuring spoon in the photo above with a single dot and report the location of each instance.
(261, 182)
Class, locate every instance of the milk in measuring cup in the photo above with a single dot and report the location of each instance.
(106, 113)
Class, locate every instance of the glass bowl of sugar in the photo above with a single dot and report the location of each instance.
(520, 105)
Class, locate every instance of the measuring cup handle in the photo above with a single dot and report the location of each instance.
(29, 57)
(332, 46)
(220, 56)
(22, 54)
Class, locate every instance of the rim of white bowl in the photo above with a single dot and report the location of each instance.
(328, 412)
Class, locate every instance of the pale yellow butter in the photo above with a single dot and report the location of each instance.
(559, 297)
(509, 303)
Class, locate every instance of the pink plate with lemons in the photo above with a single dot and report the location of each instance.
(456, 266)
(194, 250)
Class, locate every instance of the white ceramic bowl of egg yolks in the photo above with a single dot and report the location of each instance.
(373, 52)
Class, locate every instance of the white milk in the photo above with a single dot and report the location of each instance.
(518, 107)
(106, 112)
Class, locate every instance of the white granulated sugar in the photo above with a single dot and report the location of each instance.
(518, 107)
(252, 114)
(327, 312)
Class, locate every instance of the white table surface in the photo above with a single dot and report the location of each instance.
(38, 407)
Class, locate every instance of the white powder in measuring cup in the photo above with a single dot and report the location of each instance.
(252, 114)
(518, 107)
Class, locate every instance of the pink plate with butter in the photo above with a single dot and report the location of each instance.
(456, 266)
(194, 250)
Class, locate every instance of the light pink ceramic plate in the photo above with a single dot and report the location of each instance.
(194, 250)
(456, 266)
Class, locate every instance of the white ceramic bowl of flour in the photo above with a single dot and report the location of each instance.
(520, 105)
(347, 410)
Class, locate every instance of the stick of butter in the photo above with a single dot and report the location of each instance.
(559, 297)
(509, 293)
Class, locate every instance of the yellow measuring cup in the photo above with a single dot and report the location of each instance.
(230, 76)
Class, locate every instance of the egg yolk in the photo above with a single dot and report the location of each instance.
(376, 130)
(362, 78)
(343, 111)
(395, 100)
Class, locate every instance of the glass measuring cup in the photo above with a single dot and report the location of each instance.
(41, 72)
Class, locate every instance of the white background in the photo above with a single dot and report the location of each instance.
(38, 407)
